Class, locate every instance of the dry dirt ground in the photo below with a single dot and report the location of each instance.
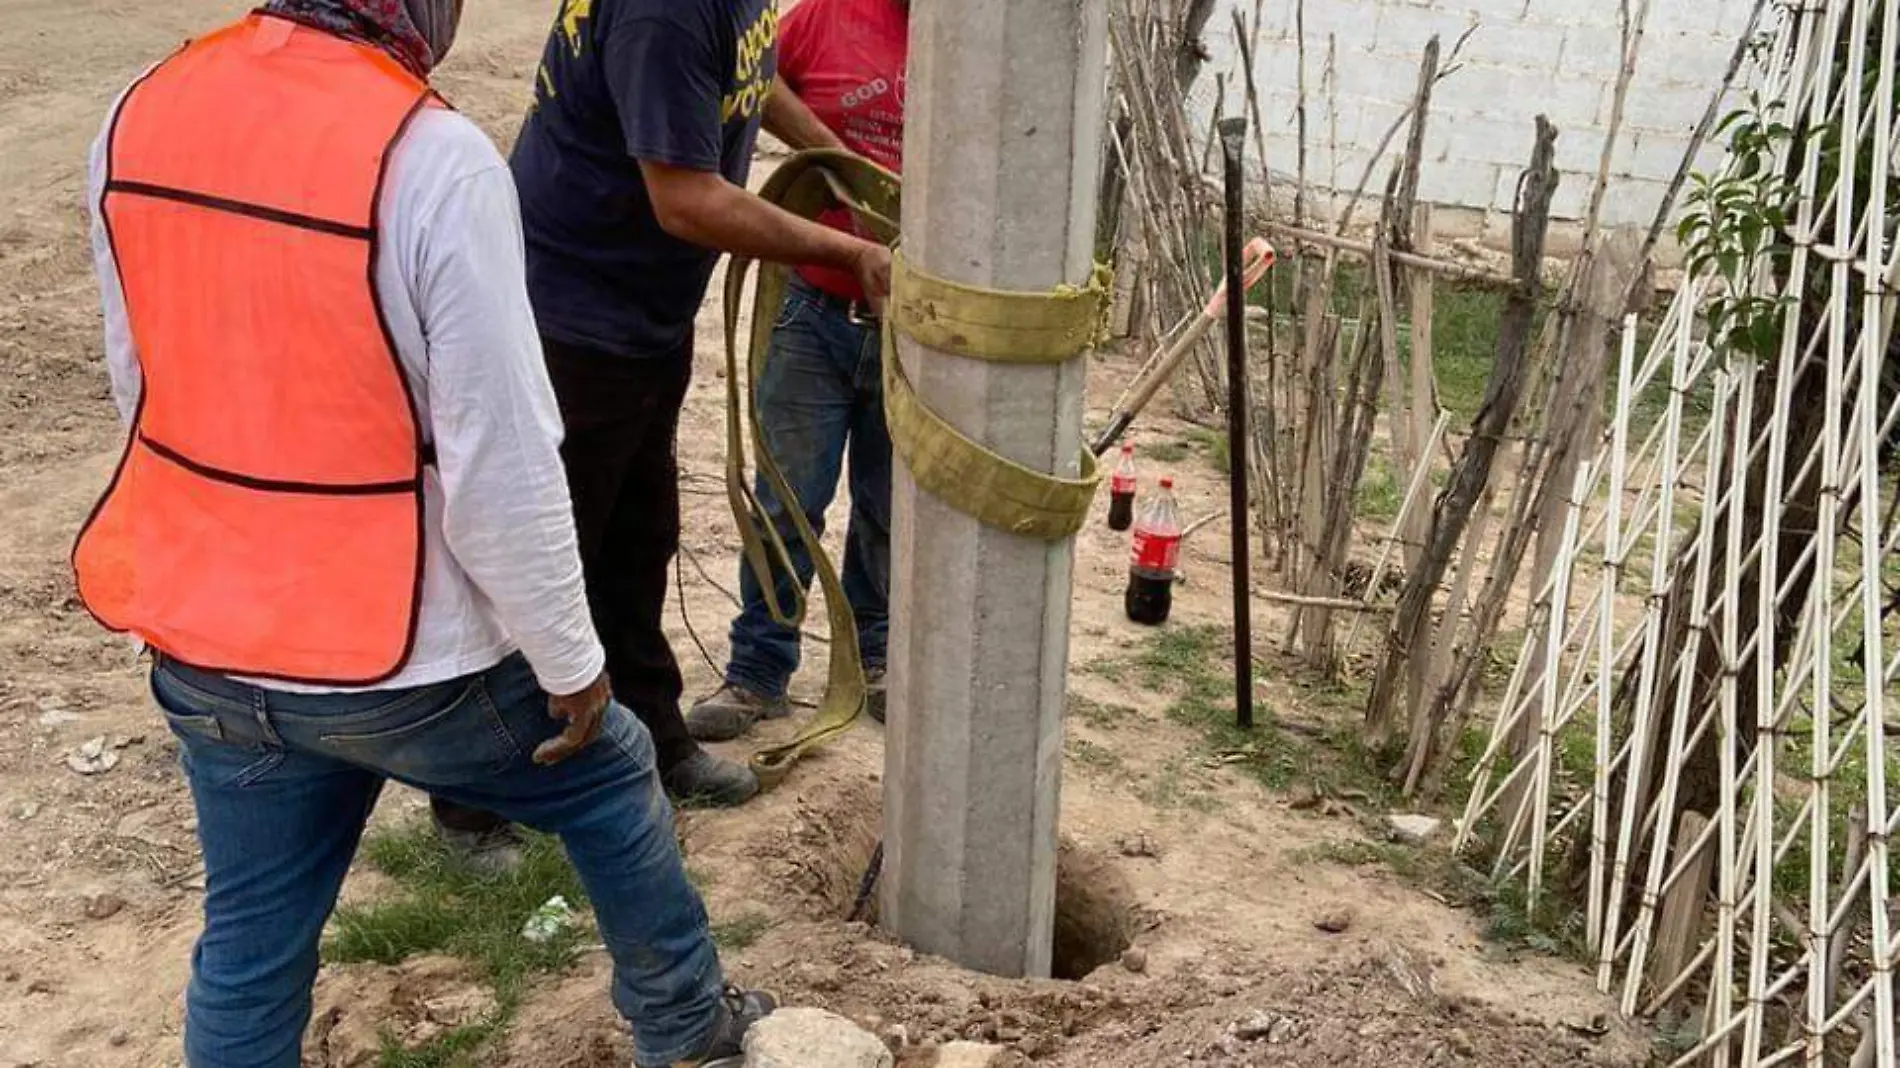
(1212, 876)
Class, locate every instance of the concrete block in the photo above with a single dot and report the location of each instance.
(1665, 109)
(1650, 155)
(1490, 11)
(1350, 21)
(812, 1038)
(1490, 141)
(1458, 182)
(1504, 195)
(1591, 52)
(1572, 197)
(1632, 202)
(1413, 829)
(1402, 31)
(1580, 147)
(1570, 13)
(1516, 44)
(1481, 90)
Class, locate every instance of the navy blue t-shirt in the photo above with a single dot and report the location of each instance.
(680, 82)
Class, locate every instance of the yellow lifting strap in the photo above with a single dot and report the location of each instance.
(969, 321)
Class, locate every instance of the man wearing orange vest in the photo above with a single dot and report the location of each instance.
(340, 523)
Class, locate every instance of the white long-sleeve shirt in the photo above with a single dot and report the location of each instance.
(502, 564)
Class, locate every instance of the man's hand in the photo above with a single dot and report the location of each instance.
(872, 267)
(583, 712)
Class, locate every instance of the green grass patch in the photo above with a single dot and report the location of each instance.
(1177, 785)
(453, 1049)
(1089, 754)
(1552, 928)
(1356, 853)
(1098, 714)
(445, 907)
(1380, 495)
(1192, 665)
(741, 933)
(1164, 451)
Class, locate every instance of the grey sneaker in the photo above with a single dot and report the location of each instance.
(874, 693)
(705, 781)
(730, 711)
(496, 850)
(725, 1046)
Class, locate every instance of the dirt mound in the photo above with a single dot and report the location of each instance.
(1376, 1009)
(358, 1006)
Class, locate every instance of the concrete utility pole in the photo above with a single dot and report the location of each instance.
(1003, 145)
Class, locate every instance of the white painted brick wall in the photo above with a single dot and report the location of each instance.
(1558, 58)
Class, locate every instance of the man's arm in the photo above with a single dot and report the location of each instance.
(122, 360)
(703, 208)
(792, 121)
(665, 78)
(497, 432)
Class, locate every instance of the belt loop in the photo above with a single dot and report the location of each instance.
(260, 711)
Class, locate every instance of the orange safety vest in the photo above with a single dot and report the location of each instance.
(266, 518)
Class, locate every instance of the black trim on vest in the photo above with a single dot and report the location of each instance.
(425, 450)
(275, 485)
(241, 207)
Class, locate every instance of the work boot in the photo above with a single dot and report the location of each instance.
(494, 850)
(705, 781)
(725, 1046)
(874, 693)
(730, 711)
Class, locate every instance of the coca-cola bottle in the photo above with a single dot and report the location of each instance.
(1152, 564)
(1121, 491)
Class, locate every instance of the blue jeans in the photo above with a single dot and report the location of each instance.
(283, 782)
(820, 396)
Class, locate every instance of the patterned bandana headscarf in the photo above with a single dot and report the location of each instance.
(417, 32)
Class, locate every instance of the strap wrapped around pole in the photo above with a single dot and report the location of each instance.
(966, 321)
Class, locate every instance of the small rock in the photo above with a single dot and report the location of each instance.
(26, 811)
(119, 1037)
(1461, 1042)
(104, 906)
(1138, 845)
(1304, 797)
(812, 1038)
(896, 1037)
(1255, 1027)
(1335, 922)
(126, 741)
(93, 758)
(1413, 829)
(1135, 959)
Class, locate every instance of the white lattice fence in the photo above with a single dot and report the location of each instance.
(1712, 776)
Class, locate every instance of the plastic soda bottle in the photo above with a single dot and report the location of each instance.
(1156, 554)
(1121, 491)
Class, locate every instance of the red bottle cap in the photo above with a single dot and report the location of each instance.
(1166, 482)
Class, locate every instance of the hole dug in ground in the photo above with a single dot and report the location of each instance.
(1096, 915)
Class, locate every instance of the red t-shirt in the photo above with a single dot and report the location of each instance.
(845, 59)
